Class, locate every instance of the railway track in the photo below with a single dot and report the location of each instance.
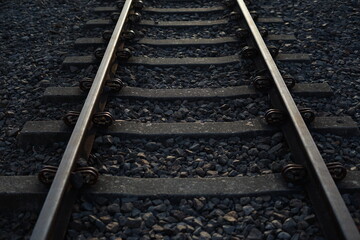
(132, 67)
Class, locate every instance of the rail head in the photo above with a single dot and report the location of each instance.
(335, 218)
(44, 227)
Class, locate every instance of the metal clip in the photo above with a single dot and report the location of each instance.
(99, 53)
(115, 85)
(102, 119)
(123, 54)
(274, 116)
(307, 114)
(85, 84)
(289, 81)
(248, 52)
(128, 35)
(274, 51)
(89, 175)
(71, 118)
(234, 15)
(106, 35)
(242, 33)
(138, 4)
(47, 174)
(135, 17)
(262, 83)
(115, 16)
(337, 170)
(294, 173)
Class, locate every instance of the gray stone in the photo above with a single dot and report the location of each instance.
(217, 236)
(112, 227)
(157, 228)
(113, 208)
(204, 236)
(152, 146)
(99, 224)
(248, 209)
(133, 222)
(253, 152)
(198, 204)
(228, 229)
(87, 206)
(231, 216)
(106, 219)
(244, 200)
(276, 224)
(158, 110)
(255, 234)
(284, 236)
(160, 208)
(296, 203)
(289, 225)
(127, 207)
(149, 219)
(181, 227)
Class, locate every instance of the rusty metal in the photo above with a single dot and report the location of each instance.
(106, 35)
(99, 53)
(47, 174)
(89, 175)
(297, 173)
(294, 173)
(56, 211)
(128, 35)
(337, 170)
(123, 54)
(71, 118)
(330, 208)
(135, 17)
(115, 85)
(254, 15)
(242, 33)
(274, 51)
(263, 32)
(248, 52)
(262, 82)
(229, 3)
(103, 119)
(307, 114)
(274, 116)
(138, 4)
(85, 84)
(114, 16)
(120, 4)
(234, 15)
(289, 81)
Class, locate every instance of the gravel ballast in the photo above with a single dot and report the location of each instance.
(186, 157)
(254, 218)
(225, 110)
(36, 36)
(184, 77)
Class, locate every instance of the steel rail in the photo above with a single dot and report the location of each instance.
(333, 215)
(45, 227)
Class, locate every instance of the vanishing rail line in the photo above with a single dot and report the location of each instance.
(309, 169)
